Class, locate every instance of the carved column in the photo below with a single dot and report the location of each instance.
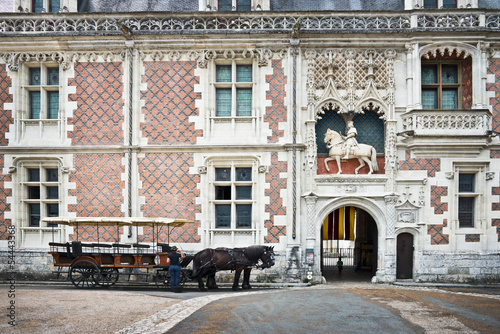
(390, 205)
(311, 151)
(311, 201)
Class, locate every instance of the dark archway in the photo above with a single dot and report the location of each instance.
(357, 245)
(404, 260)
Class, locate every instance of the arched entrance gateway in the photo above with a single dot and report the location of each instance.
(349, 234)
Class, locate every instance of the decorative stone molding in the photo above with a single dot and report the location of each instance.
(202, 169)
(13, 59)
(490, 176)
(262, 169)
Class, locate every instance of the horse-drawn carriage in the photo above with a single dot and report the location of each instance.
(100, 263)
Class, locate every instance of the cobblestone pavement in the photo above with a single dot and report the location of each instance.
(346, 306)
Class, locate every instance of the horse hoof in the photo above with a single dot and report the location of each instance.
(202, 290)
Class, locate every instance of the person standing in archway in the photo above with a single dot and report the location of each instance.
(340, 265)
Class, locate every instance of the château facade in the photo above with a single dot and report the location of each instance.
(217, 112)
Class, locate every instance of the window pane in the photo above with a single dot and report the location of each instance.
(222, 174)
(223, 193)
(244, 5)
(33, 175)
(52, 210)
(34, 105)
(35, 77)
(244, 73)
(222, 215)
(244, 192)
(52, 175)
(243, 174)
(244, 102)
(34, 192)
(429, 74)
(37, 6)
(55, 6)
(223, 73)
(223, 102)
(53, 105)
(449, 4)
(429, 99)
(52, 192)
(466, 183)
(34, 215)
(244, 216)
(225, 5)
(466, 211)
(53, 76)
(430, 3)
(450, 98)
(449, 74)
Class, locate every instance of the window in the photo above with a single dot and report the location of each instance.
(52, 6)
(41, 193)
(466, 199)
(238, 5)
(233, 193)
(432, 4)
(43, 92)
(233, 90)
(441, 85)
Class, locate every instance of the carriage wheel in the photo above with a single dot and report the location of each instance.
(84, 274)
(184, 277)
(162, 279)
(109, 276)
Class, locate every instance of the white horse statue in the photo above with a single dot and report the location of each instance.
(366, 154)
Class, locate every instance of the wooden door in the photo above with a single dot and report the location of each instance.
(404, 262)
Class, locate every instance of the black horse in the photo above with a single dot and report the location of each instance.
(208, 261)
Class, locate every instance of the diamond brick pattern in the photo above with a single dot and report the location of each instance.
(436, 193)
(431, 165)
(275, 206)
(472, 238)
(495, 206)
(99, 185)
(437, 235)
(169, 103)
(170, 190)
(4, 206)
(467, 83)
(495, 154)
(5, 115)
(88, 233)
(276, 113)
(370, 129)
(329, 120)
(496, 223)
(98, 120)
(494, 68)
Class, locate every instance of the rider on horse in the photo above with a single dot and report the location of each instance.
(350, 140)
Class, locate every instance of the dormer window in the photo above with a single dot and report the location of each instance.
(434, 4)
(235, 5)
(51, 6)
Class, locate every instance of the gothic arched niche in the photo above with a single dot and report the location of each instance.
(370, 129)
(329, 119)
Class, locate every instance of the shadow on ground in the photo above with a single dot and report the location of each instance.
(347, 275)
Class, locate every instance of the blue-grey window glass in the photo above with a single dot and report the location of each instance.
(243, 174)
(37, 6)
(244, 102)
(450, 98)
(244, 73)
(329, 120)
(243, 192)
(53, 105)
(34, 105)
(34, 214)
(52, 192)
(466, 211)
(243, 216)
(55, 6)
(429, 98)
(370, 129)
(52, 175)
(449, 74)
(53, 76)
(466, 183)
(34, 192)
(35, 77)
(33, 175)
(225, 5)
(430, 4)
(52, 210)
(223, 192)
(449, 4)
(222, 215)
(223, 102)
(223, 174)
(223, 73)
(429, 74)
(244, 5)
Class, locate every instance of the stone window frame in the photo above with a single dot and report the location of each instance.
(440, 86)
(419, 4)
(255, 5)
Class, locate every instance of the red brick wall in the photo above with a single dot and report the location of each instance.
(170, 190)
(275, 206)
(4, 206)
(277, 112)
(98, 119)
(431, 165)
(169, 102)
(5, 97)
(437, 235)
(494, 68)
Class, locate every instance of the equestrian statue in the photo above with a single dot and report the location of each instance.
(348, 148)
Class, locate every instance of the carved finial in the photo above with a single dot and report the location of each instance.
(296, 28)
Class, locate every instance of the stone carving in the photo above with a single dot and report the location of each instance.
(348, 148)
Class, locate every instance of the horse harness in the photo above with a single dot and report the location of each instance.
(234, 259)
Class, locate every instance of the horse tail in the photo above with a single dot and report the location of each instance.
(374, 159)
